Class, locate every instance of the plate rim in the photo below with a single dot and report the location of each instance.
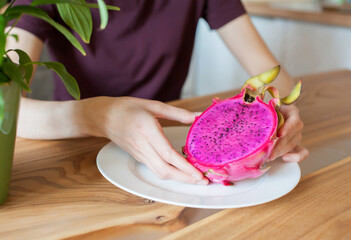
(182, 204)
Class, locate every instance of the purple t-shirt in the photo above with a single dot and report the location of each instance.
(144, 52)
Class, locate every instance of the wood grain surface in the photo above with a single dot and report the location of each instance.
(336, 18)
(57, 192)
(318, 208)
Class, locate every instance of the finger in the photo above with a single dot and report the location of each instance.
(288, 110)
(174, 158)
(166, 171)
(162, 110)
(285, 145)
(162, 169)
(163, 147)
(298, 154)
(293, 123)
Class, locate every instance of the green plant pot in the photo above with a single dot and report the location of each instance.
(10, 94)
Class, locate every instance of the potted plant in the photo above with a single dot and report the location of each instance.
(15, 77)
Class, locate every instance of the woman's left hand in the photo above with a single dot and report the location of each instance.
(290, 135)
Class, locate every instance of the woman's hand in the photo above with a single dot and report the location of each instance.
(131, 123)
(289, 143)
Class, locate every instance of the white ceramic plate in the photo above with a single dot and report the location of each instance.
(122, 170)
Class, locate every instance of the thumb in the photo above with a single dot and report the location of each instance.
(162, 110)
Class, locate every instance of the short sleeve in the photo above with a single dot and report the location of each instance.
(219, 12)
(34, 25)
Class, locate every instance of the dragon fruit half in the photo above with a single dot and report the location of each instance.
(233, 138)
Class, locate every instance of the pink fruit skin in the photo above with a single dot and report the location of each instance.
(238, 169)
(249, 167)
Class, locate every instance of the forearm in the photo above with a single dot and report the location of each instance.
(246, 44)
(51, 120)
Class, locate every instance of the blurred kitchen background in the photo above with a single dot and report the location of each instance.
(305, 36)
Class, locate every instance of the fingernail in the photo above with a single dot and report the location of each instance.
(197, 176)
(202, 182)
(197, 113)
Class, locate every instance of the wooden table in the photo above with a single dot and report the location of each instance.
(57, 192)
(312, 12)
(318, 208)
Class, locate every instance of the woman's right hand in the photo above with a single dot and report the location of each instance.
(132, 124)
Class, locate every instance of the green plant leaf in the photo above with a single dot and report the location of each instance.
(26, 63)
(13, 71)
(67, 79)
(9, 17)
(4, 78)
(101, 5)
(103, 14)
(76, 2)
(2, 38)
(3, 3)
(78, 18)
(44, 2)
(2, 107)
(41, 14)
(15, 36)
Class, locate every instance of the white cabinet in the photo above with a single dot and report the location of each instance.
(302, 48)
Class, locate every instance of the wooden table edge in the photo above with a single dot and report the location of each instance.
(204, 221)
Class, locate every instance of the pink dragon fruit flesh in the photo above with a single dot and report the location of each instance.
(233, 138)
